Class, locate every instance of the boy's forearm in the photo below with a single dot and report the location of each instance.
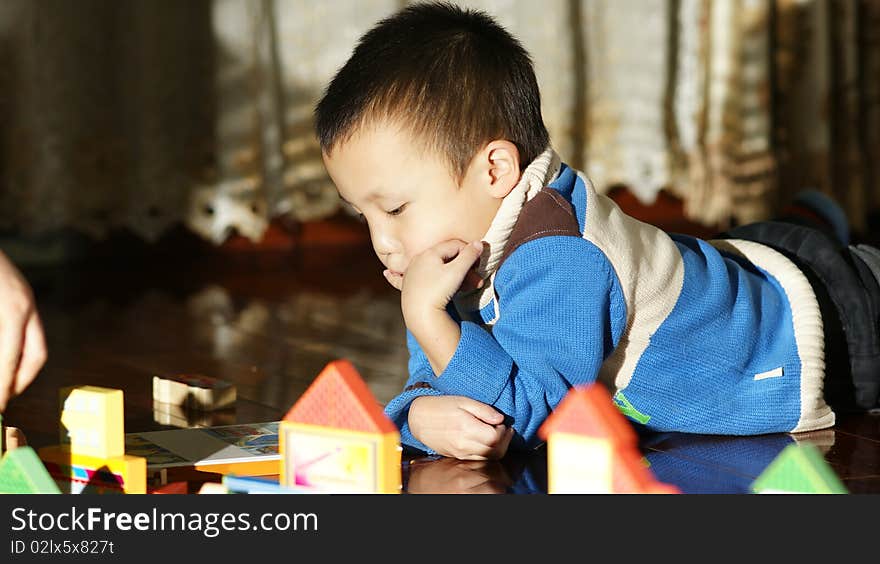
(438, 335)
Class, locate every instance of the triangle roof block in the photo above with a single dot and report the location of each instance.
(589, 410)
(799, 468)
(338, 397)
(630, 475)
(22, 471)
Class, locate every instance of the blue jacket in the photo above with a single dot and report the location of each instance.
(720, 337)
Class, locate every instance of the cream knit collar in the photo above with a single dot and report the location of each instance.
(540, 172)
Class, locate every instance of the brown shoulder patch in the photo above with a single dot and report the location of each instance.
(548, 213)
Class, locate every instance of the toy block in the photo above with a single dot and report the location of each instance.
(337, 438)
(92, 474)
(194, 391)
(213, 488)
(632, 475)
(589, 410)
(252, 485)
(179, 416)
(92, 421)
(582, 464)
(21, 471)
(592, 448)
(174, 488)
(799, 468)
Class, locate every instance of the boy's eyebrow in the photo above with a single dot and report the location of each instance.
(369, 197)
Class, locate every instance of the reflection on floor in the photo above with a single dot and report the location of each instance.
(271, 328)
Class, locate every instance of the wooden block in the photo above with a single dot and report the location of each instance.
(799, 468)
(339, 460)
(194, 391)
(337, 438)
(253, 468)
(253, 485)
(92, 421)
(212, 488)
(577, 464)
(90, 474)
(172, 488)
(21, 471)
(180, 416)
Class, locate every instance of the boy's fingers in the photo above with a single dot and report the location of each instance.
(448, 250)
(396, 280)
(507, 435)
(34, 354)
(467, 255)
(481, 411)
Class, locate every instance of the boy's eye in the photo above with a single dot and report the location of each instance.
(396, 211)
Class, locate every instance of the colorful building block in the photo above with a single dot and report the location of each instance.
(592, 448)
(82, 473)
(92, 421)
(799, 468)
(174, 488)
(21, 471)
(581, 464)
(337, 438)
(589, 411)
(194, 391)
(253, 485)
(185, 418)
(213, 488)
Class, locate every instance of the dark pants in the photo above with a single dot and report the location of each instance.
(849, 300)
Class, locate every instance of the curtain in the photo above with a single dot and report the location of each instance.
(141, 115)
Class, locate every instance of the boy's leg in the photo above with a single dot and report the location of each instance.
(849, 301)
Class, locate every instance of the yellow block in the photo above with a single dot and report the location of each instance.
(339, 460)
(577, 464)
(92, 421)
(92, 474)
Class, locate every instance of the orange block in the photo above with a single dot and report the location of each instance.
(339, 397)
(589, 410)
(632, 476)
(336, 437)
(172, 488)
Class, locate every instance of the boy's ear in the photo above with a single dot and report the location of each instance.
(502, 164)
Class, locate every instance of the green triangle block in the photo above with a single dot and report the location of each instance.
(22, 471)
(799, 469)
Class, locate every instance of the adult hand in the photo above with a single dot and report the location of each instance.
(22, 343)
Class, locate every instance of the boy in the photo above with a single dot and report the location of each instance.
(433, 132)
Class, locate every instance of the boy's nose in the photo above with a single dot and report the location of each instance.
(384, 244)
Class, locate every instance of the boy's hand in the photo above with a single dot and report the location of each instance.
(433, 277)
(459, 427)
(451, 476)
(22, 344)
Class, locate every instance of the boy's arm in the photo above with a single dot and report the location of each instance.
(562, 311)
(418, 384)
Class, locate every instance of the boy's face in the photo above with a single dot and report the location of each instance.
(408, 195)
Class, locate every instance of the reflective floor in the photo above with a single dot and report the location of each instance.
(269, 326)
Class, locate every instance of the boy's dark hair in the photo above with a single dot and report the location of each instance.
(453, 77)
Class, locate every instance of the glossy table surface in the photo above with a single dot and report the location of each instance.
(270, 325)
